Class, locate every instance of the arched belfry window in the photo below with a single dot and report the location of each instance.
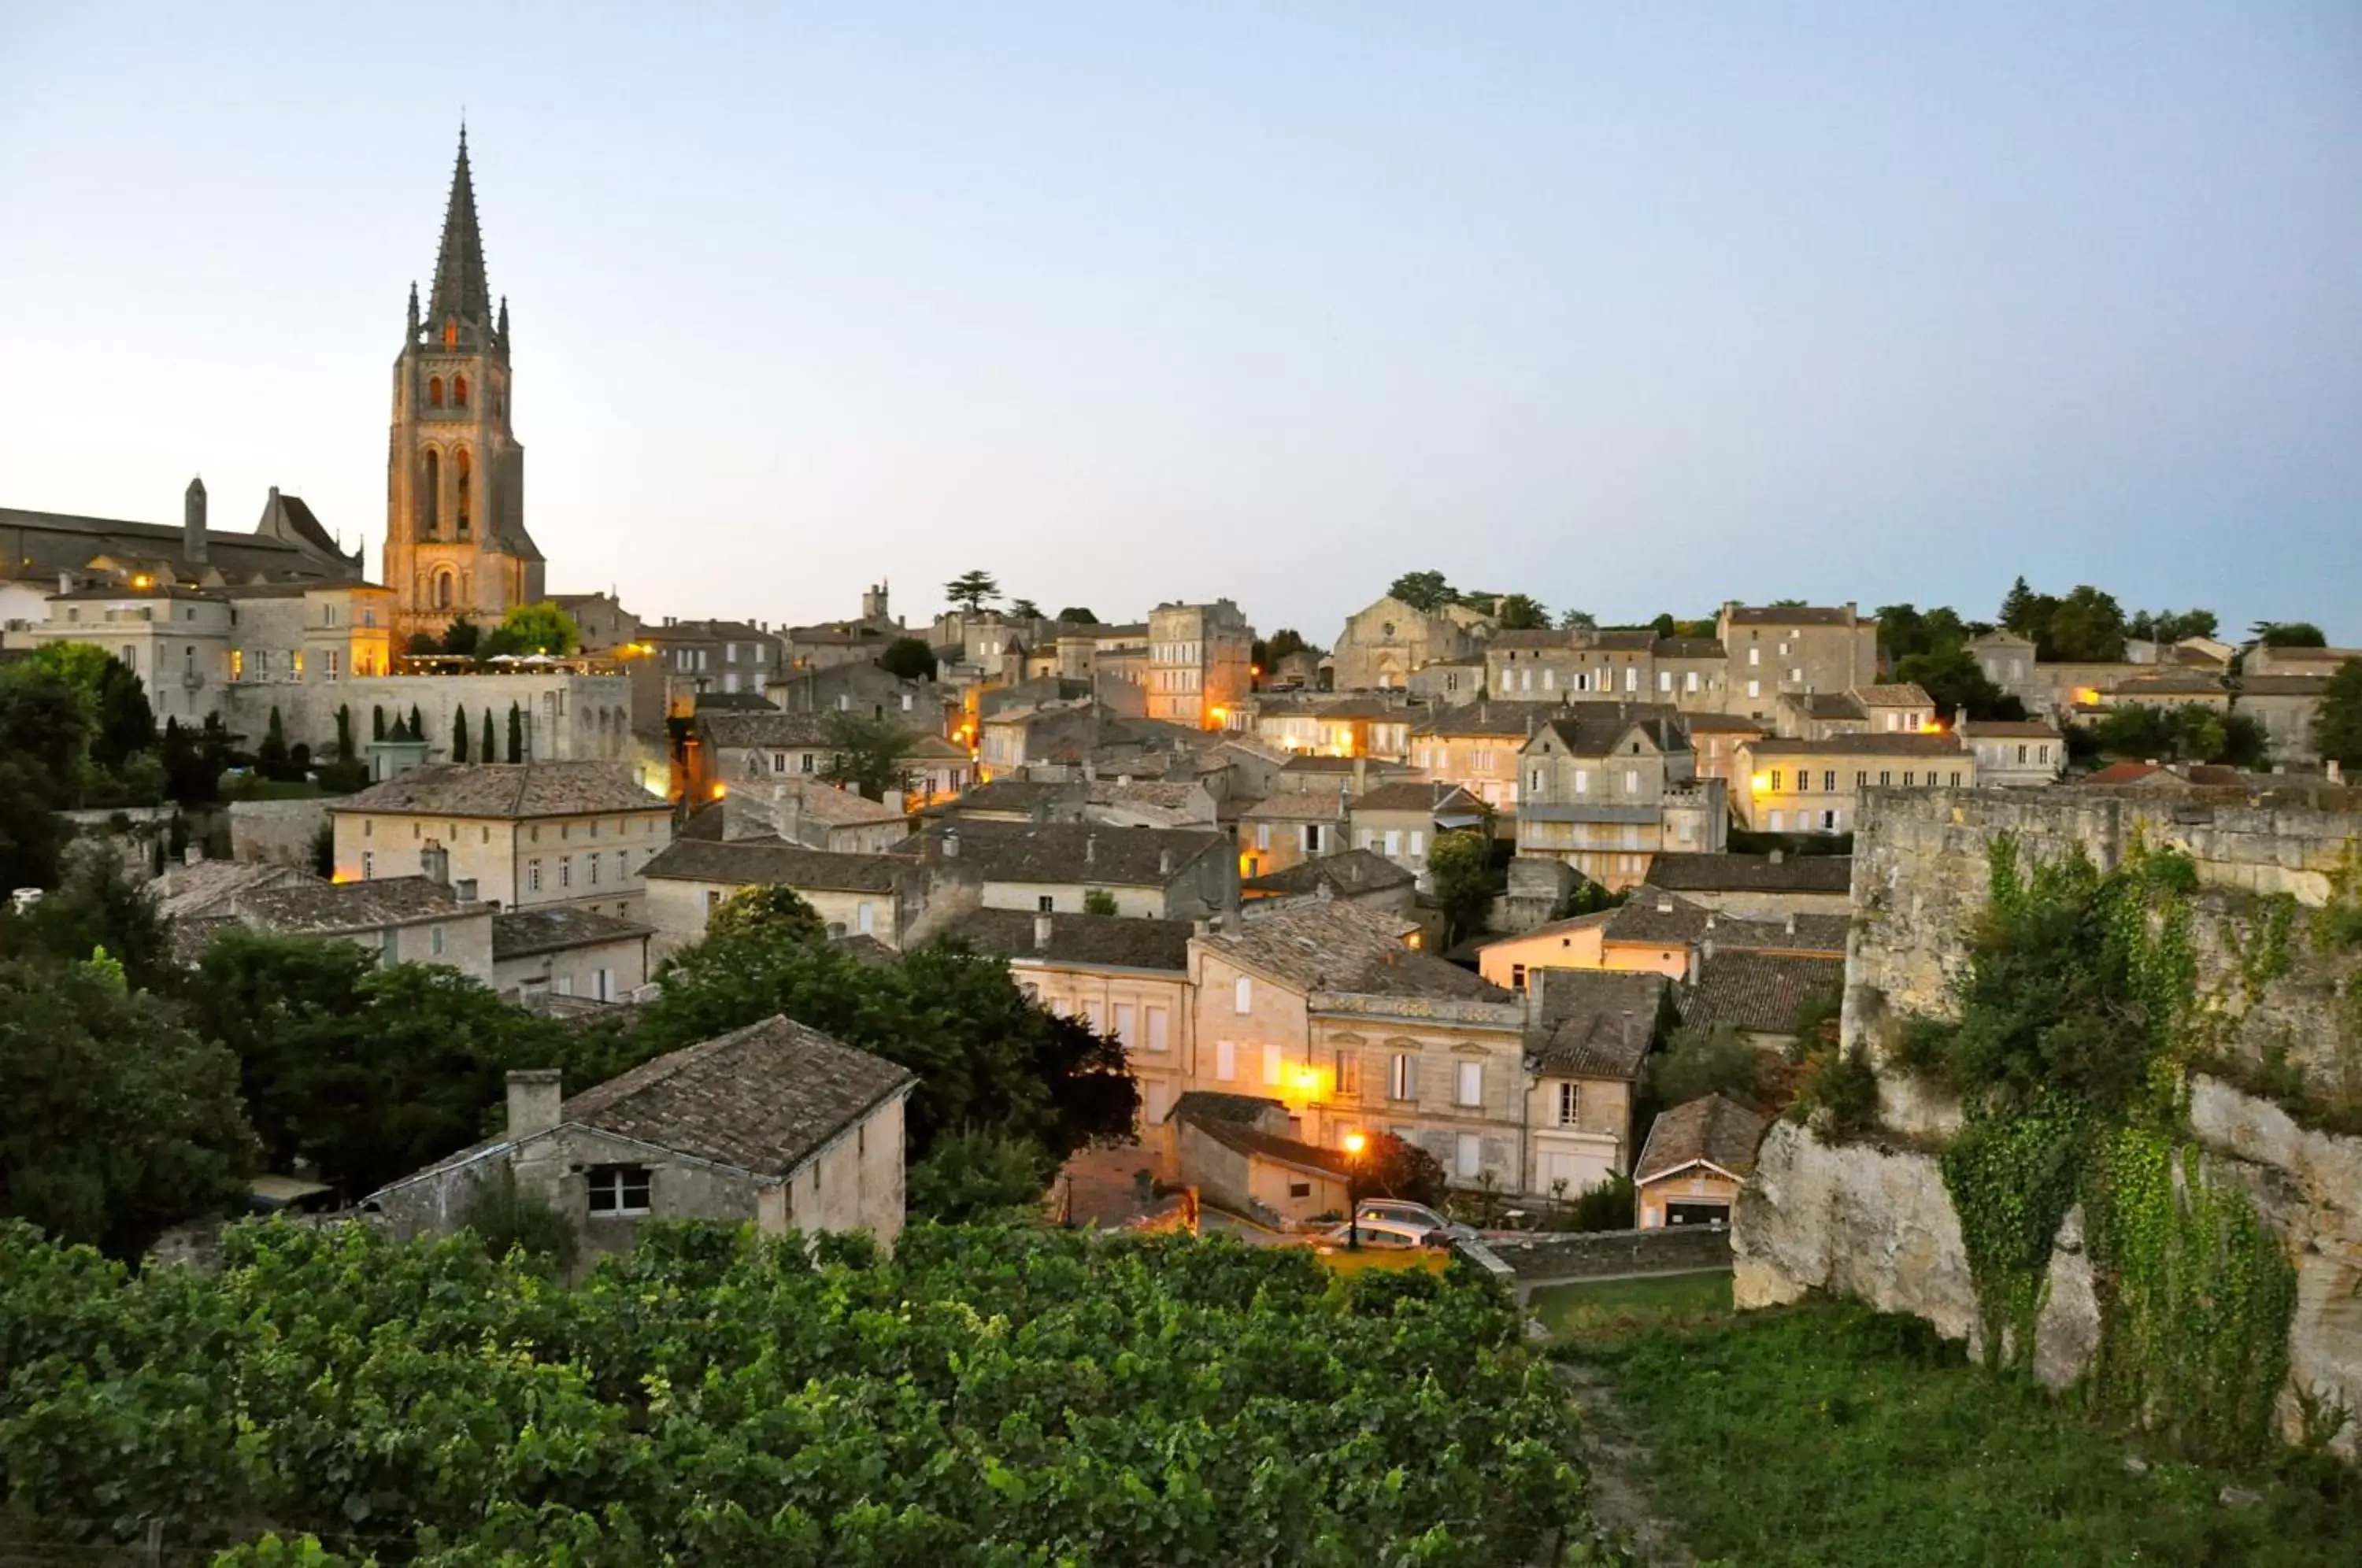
(450, 334)
(434, 392)
(441, 591)
(459, 391)
(461, 474)
(433, 511)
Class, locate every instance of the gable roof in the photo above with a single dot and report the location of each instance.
(1715, 1130)
(1489, 718)
(1734, 873)
(1795, 615)
(517, 933)
(315, 907)
(769, 862)
(1335, 945)
(509, 790)
(1347, 873)
(1252, 1142)
(1114, 941)
(1902, 694)
(1429, 795)
(1760, 992)
(1596, 729)
(207, 888)
(1066, 852)
(1297, 806)
(733, 730)
(761, 1098)
(1592, 1024)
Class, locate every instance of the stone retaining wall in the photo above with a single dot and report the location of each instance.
(1546, 1258)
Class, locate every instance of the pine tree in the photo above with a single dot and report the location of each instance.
(516, 734)
(459, 735)
(487, 750)
(418, 724)
(272, 758)
(377, 722)
(344, 731)
(2017, 608)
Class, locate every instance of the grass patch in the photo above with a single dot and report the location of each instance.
(1616, 1307)
(1830, 1434)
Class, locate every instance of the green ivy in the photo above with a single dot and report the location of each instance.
(2013, 1175)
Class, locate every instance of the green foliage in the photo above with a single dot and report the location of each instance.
(2013, 1175)
(120, 1121)
(1609, 1205)
(117, 717)
(766, 912)
(972, 590)
(984, 1396)
(1589, 898)
(1079, 616)
(1427, 591)
(1025, 609)
(1392, 1166)
(869, 755)
(272, 758)
(2172, 626)
(1836, 1094)
(1098, 902)
(1520, 613)
(973, 1174)
(1577, 620)
(908, 658)
(98, 905)
(2189, 732)
(541, 628)
(2289, 635)
(1831, 1436)
(516, 734)
(459, 734)
(1286, 641)
(505, 1219)
(1460, 863)
(2338, 725)
(1701, 1062)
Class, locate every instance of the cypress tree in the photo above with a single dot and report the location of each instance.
(377, 722)
(516, 734)
(459, 735)
(272, 758)
(418, 724)
(487, 750)
(344, 731)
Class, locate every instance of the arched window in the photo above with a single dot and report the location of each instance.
(433, 492)
(459, 391)
(434, 392)
(441, 591)
(450, 333)
(460, 474)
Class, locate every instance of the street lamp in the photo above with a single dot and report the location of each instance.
(1354, 1144)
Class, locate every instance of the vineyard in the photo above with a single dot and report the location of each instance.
(997, 1396)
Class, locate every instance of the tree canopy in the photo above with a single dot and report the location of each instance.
(542, 628)
(2289, 635)
(869, 754)
(972, 590)
(2337, 728)
(2085, 627)
(1460, 863)
(1077, 615)
(1025, 609)
(1520, 613)
(908, 658)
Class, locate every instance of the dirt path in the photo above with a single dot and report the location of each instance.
(1616, 1457)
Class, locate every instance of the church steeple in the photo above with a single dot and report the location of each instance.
(460, 297)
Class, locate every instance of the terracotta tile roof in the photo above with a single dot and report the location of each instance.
(1717, 1129)
(1334, 946)
(1760, 992)
(1592, 1024)
(1069, 852)
(735, 730)
(764, 862)
(208, 887)
(507, 790)
(1348, 872)
(761, 1098)
(1751, 873)
(517, 933)
(315, 908)
(1255, 1143)
(1111, 940)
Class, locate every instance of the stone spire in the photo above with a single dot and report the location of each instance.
(505, 323)
(412, 335)
(460, 292)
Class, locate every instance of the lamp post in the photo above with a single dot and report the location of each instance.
(1354, 1144)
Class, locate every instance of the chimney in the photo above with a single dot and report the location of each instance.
(1091, 848)
(1777, 857)
(536, 1098)
(1165, 863)
(1790, 924)
(1709, 920)
(1665, 905)
(2336, 772)
(950, 841)
(892, 801)
(1042, 932)
(464, 890)
(1360, 775)
(193, 855)
(192, 523)
(435, 863)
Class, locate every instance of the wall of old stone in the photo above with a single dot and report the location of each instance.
(1602, 1254)
(279, 831)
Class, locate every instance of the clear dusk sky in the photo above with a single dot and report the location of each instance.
(1630, 307)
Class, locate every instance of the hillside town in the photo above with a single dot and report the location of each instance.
(1471, 924)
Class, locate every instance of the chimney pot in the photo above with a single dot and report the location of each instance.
(950, 841)
(1791, 923)
(537, 1101)
(193, 855)
(465, 889)
(1042, 926)
(1778, 856)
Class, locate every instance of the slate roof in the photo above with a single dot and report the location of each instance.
(1335, 945)
(1593, 729)
(1533, 637)
(517, 933)
(1717, 1129)
(1592, 1024)
(2170, 685)
(1255, 1143)
(1751, 874)
(1112, 939)
(2007, 729)
(208, 887)
(55, 540)
(1068, 852)
(2282, 685)
(316, 908)
(733, 730)
(761, 1098)
(1722, 723)
(1831, 705)
(1432, 795)
(1760, 992)
(506, 790)
(769, 862)
(1794, 616)
(1202, 1106)
(1348, 872)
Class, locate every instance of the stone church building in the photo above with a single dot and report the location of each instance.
(455, 540)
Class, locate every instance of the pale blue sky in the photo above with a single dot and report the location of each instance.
(1630, 307)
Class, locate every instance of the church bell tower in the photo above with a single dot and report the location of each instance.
(454, 538)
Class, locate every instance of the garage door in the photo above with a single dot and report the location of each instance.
(1580, 1171)
(1697, 1213)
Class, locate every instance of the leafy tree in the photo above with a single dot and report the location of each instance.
(462, 638)
(2289, 635)
(2183, 733)
(1520, 613)
(972, 590)
(120, 1120)
(2087, 627)
(1098, 902)
(1075, 615)
(1664, 625)
(458, 735)
(1425, 590)
(2337, 727)
(486, 749)
(1701, 1062)
(117, 721)
(1025, 609)
(1461, 865)
(541, 628)
(344, 731)
(505, 1219)
(192, 774)
(1609, 1205)
(1904, 630)
(1952, 676)
(1286, 641)
(867, 755)
(517, 732)
(768, 912)
(1577, 620)
(2172, 626)
(1393, 1166)
(971, 1175)
(418, 724)
(99, 907)
(908, 658)
(1589, 898)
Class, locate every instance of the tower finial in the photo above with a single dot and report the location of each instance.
(460, 294)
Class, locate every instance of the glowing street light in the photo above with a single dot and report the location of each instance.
(1354, 1143)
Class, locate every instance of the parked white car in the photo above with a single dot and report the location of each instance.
(1389, 1233)
(1409, 1213)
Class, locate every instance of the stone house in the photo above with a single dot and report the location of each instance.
(1571, 666)
(2008, 661)
(1817, 785)
(1693, 674)
(773, 1124)
(799, 809)
(1448, 681)
(1757, 887)
(729, 746)
(1696, 1158)
(881, 896)
(401, 919)
(1608, 787)
(1279, 831)
(175, 638)
(1125, 978)
(1200, 657)
(525, 836)
(1588, 1035)
(1653, 930)
(1384, 644)
(604, 625)
(2015, 752)
(1329, 775)
(1324, 1006)
(674, 660)
(2285, 705)
(1757, 995)
(1476, 747)
(1355, 876)
(1053, 867)
(1237, 1150)
(1401, 820)
(568, 952)
(1904, 709)
(940, 770)
(1772, 648)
